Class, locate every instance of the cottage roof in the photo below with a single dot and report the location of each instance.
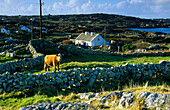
(87, 37)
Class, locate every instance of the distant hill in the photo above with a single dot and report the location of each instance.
(98, 19)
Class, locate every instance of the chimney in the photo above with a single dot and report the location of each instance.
(92, 33)
(86, 33)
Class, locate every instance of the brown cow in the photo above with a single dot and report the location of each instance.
(52, 60)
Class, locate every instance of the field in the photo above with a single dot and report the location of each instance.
(90, 61)
(16, 100)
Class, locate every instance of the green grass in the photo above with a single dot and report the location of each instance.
(16, 100)
(51, 21)
(90, 61)
(4, 58)
(167, 46)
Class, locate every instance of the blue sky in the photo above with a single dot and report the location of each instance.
(136, 8)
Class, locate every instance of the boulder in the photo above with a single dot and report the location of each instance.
(155, 100)
(91, 81)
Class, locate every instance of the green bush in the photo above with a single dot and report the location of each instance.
(128, 47)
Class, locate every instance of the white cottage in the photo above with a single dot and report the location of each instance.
(89, 39)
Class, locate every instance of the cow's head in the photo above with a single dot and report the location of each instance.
(59, 57)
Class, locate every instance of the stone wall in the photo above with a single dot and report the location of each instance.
(80, 77)
(74, 49)
(123, 100)
(7, 47)
(12, 66)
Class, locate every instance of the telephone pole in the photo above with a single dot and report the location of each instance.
(104, 38)
(40, 20)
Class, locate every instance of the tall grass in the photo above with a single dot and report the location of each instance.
(16, 100)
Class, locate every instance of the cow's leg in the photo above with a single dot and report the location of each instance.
(58, 66)
(54, 64)
(48, 68)
(45, 67)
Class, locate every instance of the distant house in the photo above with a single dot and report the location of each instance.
(89, 39)
(24, 28)
(3, 30)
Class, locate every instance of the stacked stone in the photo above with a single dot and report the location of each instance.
(119, 100)
(21, 63)
(77, 77)
(59, 106)
(11, 46)
(128, 99)
(73, 49)
(36, 45)
(70, 50)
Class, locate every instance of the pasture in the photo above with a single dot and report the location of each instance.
(90, 61)
(16, 100)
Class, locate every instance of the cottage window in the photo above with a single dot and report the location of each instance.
(98, 39)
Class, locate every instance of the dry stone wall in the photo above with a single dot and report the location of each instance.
(12, 66)
(37, 44)
(80, 77)
(123, 100)
(74, 49)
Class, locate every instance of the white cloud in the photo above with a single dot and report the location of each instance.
(162, 1)
(86, 7)
(138, 8)
(72, 7)
(8, 1)
(143, 8)
(30, 8)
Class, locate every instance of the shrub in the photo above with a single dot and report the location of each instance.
(140, 44)
(128, 47)
(67, 42)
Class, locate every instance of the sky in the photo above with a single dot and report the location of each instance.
(148, 9)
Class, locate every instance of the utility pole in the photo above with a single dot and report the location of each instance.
(104, 38)
(32, 19)
(40, 20)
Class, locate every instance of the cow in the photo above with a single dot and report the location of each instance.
(52, 60)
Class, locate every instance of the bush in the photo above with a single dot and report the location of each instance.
(140, 44)
(128, 47)
(67, 42)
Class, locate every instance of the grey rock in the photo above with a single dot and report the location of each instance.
(58, 80)
(126, 100)
(77, 84)
(154, 100)
(71, 83)
(143, 95)
(1, 90)
(91, 81)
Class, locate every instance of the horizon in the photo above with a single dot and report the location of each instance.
(85, 14)
(153, 9)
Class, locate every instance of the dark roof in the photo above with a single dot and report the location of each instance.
(87, 37)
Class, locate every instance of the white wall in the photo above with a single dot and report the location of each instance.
(94, 42)
(98, 41)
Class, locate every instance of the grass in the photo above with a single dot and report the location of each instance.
(90, 61)
(4, 58)
(16, 100)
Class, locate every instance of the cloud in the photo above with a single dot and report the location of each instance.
(87, 7)
(72, 7)
(14, 7)
(138, 8)
(162, 1)
(8, 1)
